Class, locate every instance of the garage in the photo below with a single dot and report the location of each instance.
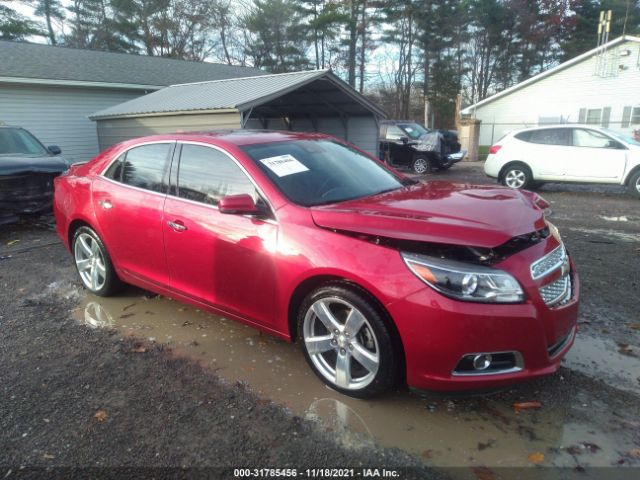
(310, 101)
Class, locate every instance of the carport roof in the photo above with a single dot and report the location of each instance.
(274, 95)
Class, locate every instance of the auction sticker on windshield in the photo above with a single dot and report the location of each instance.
(284, 165)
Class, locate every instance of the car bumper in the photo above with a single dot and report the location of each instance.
(456, 157)
(438, 332)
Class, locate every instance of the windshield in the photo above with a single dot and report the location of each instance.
(623, 137)
(15, 141)
(413, 130)
(316, 172)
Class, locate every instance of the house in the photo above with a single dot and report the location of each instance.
(599, 87)
(51, 90)
(309, 101)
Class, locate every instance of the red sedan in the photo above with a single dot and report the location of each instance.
(382, 279)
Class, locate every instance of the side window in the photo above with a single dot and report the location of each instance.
(591, 138)
(114, 172)
(144, 166)
(394, 133)
(549, 136)
(206, 175)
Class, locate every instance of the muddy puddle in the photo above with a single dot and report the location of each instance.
(444, 432)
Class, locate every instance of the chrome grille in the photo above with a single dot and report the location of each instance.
(548, 263)
(558, 292)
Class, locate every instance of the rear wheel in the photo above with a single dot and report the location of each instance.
(421, 165)
(347, 343)
(517, 176)
(93, 263)
(634, 184)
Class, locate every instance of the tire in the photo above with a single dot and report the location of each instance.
(517, 176)
(634, 185)
(421, 165)
(364, 348)
(93, 263)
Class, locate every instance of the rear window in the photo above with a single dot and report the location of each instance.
(545, 136)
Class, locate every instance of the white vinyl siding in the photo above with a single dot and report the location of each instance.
(58, 115)
(568, 94)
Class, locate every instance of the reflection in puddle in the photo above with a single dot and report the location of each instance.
(477, 431)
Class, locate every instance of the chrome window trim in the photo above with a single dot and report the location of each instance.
(519, 366)
(548, 270)
(153, 142)
(273, 221)
(239, 165)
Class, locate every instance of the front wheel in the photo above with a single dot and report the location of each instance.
(347, 343)
(421, 165)
(634, 184)
(93, 263)
(517, 176)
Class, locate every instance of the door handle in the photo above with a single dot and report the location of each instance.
(106, 204)
(177, 226)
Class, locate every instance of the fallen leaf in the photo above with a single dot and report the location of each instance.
(48, 456)
(101, 415)
(635, 452)
(536, 457)
(427, 454)
(574, 450)
(519, 406)
(139, 348)
(634, 326)
(13, 242)
(483, 473)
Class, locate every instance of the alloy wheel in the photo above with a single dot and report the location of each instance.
(341, 343)
(420, 166)
(638, 184)
(515, 178)
(90, 262)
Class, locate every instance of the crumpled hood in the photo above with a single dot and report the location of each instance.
(438, 212)
(14, 165)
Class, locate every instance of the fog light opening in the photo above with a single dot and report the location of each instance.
(482, 361)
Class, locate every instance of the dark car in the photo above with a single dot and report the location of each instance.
(409, 144)
(27, 170)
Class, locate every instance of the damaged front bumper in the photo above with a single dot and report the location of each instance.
(28, 193)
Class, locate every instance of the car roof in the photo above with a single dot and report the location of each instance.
(235, 137)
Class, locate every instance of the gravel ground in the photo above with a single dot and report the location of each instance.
(75, 397)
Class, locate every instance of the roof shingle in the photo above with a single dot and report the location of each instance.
(37, 61)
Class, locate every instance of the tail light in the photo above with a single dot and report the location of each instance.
(494, 149)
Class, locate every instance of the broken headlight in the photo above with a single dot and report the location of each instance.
(462, 281)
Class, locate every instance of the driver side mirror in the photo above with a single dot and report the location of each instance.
(404, 140)
(242, 204)
(54, 149)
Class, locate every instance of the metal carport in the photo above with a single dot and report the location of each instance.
(301, 101)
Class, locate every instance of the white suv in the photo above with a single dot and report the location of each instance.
(563, 153)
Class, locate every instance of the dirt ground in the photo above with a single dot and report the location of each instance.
(142, 381)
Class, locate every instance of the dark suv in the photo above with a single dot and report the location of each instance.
(27, 170)
(409, 144)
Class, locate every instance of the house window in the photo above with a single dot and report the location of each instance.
(593, 116)
(630, 116)
(635, 116)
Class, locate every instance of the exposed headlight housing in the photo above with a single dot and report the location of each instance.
(462, 281)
